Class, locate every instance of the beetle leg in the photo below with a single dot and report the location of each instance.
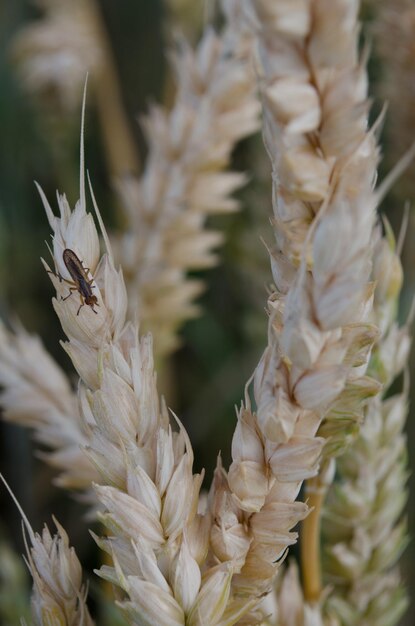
(71, 290)
(70, 282)
(55, 274)
(81, 305)
(61, 278)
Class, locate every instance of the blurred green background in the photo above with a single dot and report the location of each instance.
(220, 349)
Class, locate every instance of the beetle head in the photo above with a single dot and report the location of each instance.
(91, 300)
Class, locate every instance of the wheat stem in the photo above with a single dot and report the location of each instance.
(310, 545)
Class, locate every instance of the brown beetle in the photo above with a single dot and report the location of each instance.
(80, 281)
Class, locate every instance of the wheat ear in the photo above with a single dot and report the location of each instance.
(364, 530)
(63, 38)
(324, 166)
(58, 595)
(36, 394)
(157, 539)
(185, 181)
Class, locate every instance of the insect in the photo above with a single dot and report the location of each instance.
(80, 281)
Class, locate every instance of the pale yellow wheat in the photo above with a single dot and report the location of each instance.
(364, 528)
(185, 181)
(324, 164)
